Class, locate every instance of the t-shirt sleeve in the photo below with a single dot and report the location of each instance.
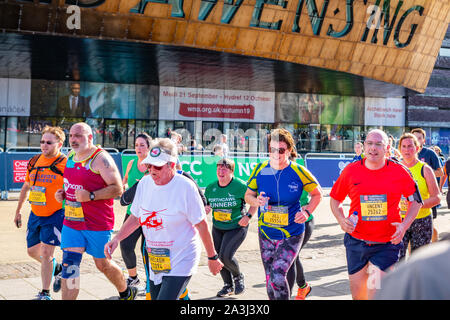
(434, 160)
(195, 210)
(251, 183)
(340, 188)
(309, 181)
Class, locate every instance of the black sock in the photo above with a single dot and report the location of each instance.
(47, 292)
(125, 294)
(58, 269)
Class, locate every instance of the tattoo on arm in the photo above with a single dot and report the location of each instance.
(106, 163)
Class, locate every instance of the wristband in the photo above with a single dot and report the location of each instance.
(307, 211)
(249, 215)
(215, 257)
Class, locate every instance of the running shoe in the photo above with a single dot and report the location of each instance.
(133, 282)
(43, 296)
(133, 294)
(226, 290)
(239, 286)
(57, 273)
(184, 295)
(302, 293)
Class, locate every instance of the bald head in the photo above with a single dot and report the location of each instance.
(380, 133)
(81, 137)
(84, 127)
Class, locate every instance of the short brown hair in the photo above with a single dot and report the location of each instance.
(419, 130)
(282, 135)
(56, 131)
(408, 136)
(227, 162)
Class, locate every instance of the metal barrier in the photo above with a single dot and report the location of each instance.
(327, 167)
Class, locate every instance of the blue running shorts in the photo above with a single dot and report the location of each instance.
(359, 253)
(93, 241)
(45, 229)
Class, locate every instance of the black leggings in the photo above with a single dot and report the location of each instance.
(128, 245)
(226, 243)
(170, 288)
(296, 273)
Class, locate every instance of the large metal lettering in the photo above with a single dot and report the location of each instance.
(177, 7)
(230, 8)
(316, 19)
(398, 44)
(256, 16)
(348, 19)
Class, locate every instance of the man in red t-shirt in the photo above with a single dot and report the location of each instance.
(375, 185)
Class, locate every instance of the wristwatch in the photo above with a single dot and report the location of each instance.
(214, 257)
(91, 195)
(307, 211)
(249, 215)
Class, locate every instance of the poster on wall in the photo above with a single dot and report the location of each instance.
(385, 112)
(215, 105)
(15, 97)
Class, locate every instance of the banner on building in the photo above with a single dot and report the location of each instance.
(15, 97)
(216, 105)
(385, 112)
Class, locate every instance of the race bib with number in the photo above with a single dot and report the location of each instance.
(403, 206)
(37, 196)
(277, 216)
(374, 207)
(222, 215)
(74, 211)
(159, 260)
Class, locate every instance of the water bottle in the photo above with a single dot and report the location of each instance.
(354, 218)
(264, 207)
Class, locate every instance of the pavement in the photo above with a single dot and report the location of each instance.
(323, 260)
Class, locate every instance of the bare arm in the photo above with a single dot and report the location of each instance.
(125, 177)
(439, 172)
(316, 196)
(127, 228)
(338, 212)
(22, 197)
(107, 168)
(214, 265)
(433, 188)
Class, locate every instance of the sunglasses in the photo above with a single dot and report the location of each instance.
(150, 166)
(276, 150)
(47, 142)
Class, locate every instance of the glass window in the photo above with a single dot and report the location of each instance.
(211, 134)
(43, 99)
(17, 132)
(36, 127)
(2, 132)
(148, 126)
(309, 106)
(332, 110)
(332, 138)
(115, 134)
(242, 136)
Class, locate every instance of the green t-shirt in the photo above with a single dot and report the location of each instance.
(227, 203)
(134, 175)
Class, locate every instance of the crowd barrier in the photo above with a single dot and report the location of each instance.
(326, 167)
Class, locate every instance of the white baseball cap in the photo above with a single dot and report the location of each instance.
(159, 157)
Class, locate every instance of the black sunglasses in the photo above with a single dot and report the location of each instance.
(47, 142)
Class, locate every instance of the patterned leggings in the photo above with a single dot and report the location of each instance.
(418, 234)
(277, 257)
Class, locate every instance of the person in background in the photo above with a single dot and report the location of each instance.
(359, 148)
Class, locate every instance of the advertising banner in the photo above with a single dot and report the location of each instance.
(19, 170)
(216, 105)
(385, 112)
(15, 97)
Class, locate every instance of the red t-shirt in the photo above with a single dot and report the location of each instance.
(375, 195)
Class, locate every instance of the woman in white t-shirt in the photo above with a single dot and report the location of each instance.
(168, 207)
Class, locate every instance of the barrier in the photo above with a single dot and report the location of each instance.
(327, 167)
(4, 194)
(117, 157)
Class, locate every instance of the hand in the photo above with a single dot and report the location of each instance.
(59, 195)
(399, 233)
(215, 266)
(301, 216)
(262, 199)
(18, 220)
(110, 247)
(346, 225)
(82, 195)
(244, 221)
(208, 209)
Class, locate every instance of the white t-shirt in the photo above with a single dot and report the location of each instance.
(168, 215)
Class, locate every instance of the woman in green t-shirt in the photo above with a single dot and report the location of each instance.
(230, 223)
(134, 172)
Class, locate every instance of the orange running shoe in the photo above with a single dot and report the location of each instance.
(302, 293)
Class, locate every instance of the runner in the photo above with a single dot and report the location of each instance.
(446, 178)
(230, 223)
(374, 185)
(359, 148)
(135, 171)
(44, 177)
(91, 182)
(429, 157)
(170, 211)
(421, 229)
(277, 184)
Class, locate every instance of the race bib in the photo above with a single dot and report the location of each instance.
(222, 215)
(403, 206)
(277, 216)
(374, 207)
(37, 196)
(159, 260)
(74, 211)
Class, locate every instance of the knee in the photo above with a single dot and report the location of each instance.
(71, 264)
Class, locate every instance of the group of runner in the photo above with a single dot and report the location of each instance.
(390, 208)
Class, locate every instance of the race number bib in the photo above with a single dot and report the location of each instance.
(277, 216)
(222, 215)
(374, 207)
(159, 260)
(403, 206)
(37, 196)
(74, 211)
